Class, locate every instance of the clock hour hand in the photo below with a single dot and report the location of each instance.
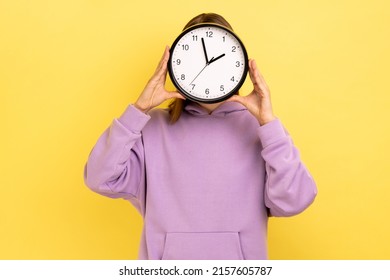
(205, 52)
(215, 59)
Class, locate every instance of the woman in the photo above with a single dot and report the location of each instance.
(205, 177)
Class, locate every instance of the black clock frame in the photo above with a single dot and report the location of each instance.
(203, 100)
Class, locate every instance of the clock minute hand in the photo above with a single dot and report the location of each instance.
(205, 52)
(215, 59)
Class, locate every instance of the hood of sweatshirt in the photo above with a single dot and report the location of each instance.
(222, 110)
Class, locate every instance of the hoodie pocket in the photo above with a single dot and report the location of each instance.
(202, 246)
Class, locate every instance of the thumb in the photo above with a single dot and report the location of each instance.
(175, 94)
(237, 98)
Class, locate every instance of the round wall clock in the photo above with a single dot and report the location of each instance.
(208, 63)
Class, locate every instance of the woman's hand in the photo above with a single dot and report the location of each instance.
(258, 102)
(154, 92)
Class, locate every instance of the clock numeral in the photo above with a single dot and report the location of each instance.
(232, 79)
(185, 47)
(238, 64)
(178, 61)
(194, 37)
(221, 88)
(183, 77)
(209, 34)
(223, 38)
(234, 48)
(193, 86)
(207, 91)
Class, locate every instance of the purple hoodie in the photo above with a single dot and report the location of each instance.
(205, 185)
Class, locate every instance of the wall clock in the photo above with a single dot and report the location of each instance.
(208, 63)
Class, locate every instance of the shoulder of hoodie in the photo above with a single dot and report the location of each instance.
(159, 115)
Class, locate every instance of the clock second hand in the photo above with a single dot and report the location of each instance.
(207, 64)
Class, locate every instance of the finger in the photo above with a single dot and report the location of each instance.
(251, 70)
(175, 94)
(163, 73)
(237, 98)
(163, 61)
(164, 68)
(254, 73)
(257, 72)
(259, 83)
(159, 63)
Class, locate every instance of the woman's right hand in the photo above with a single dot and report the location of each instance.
(154, 92)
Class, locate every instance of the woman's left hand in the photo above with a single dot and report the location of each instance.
(258, 102)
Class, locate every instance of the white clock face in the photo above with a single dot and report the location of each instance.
(208, 63)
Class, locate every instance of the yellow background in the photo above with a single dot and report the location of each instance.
(67, 68)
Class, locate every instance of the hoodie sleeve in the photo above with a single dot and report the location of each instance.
(289, 188)
(115, 166)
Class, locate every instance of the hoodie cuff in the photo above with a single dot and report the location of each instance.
(271, 132)
(133, 119)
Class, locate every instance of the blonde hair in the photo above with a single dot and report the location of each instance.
(176, 107)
